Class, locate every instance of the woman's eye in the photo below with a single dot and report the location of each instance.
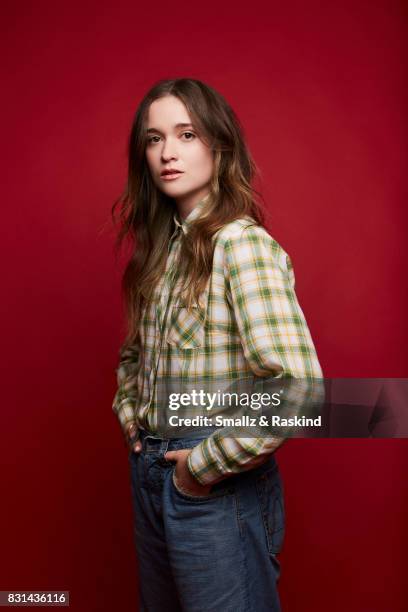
(151, 139)
(190, 134)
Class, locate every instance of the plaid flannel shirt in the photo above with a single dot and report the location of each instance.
(248, 324)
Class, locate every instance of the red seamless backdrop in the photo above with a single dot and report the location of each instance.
(321, 91)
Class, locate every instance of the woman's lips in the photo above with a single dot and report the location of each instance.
(170, 177)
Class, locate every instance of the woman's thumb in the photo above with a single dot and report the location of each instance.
(137, 447)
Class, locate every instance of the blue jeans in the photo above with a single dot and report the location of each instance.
(213, 553)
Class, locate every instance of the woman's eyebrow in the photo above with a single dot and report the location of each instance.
(178, 125)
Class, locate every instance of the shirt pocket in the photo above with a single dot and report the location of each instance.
(186, 328)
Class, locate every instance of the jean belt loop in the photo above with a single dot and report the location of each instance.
(164, 446)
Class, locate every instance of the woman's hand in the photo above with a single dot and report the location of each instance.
(134, 444)
(136, 447)
(183, 478)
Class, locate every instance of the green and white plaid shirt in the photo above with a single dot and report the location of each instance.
(248, 324)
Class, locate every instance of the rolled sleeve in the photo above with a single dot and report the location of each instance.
(124, 401)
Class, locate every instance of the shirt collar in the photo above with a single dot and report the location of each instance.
(184, 224)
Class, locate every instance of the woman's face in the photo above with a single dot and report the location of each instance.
(173, 144)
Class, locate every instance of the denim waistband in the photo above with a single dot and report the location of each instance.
(152, 443)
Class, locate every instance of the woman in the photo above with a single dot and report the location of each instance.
(210, 300)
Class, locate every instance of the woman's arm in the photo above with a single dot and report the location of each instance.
(125, 397)
(275, 338)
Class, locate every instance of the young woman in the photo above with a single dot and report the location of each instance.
(210, 298)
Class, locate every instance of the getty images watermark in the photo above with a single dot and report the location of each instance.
(215, 401)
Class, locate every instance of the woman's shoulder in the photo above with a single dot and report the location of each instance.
(244, 238)
(242, 230)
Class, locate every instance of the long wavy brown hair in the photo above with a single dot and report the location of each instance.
(144, 214)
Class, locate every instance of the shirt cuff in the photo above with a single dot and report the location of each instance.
(125, 413)
(203, 466)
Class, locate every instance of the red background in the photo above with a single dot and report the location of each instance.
(321, 90)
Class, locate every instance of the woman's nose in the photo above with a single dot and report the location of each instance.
(169, 150)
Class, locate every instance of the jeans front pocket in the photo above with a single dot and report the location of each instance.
(217, 490)
(270, 496)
